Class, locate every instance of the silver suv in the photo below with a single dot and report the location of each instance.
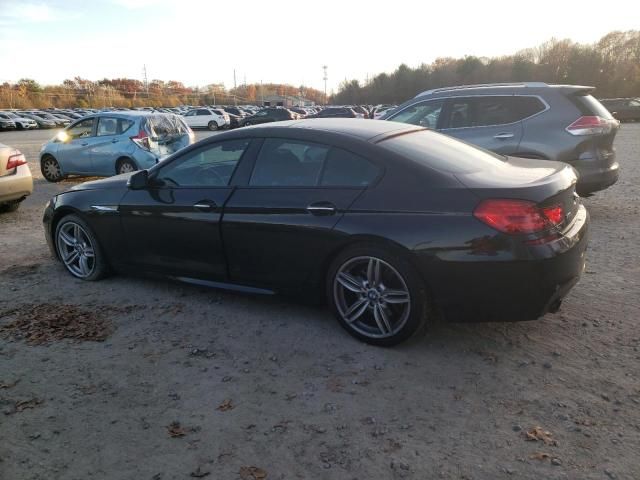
(531, 120)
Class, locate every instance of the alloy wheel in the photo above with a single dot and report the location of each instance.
(76, 250)
(371, 297)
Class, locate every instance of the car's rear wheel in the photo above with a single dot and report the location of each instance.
(247, 124)
(125, 165)
(50, 169)
(376, 295)
(78, 249)
(213, 126)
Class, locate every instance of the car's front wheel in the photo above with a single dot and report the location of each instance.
(78, 249)
(50, 169)
(377, 295)
(213, 126)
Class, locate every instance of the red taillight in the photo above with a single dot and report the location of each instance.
(589, 125)
(142, 140)
(554, 214)
(15, 160)
(517, 216)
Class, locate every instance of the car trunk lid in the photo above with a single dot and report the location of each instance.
(547, 184)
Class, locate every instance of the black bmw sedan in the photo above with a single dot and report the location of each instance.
(392, 224)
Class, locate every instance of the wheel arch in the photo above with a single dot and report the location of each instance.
(58, 215)
(355, 240)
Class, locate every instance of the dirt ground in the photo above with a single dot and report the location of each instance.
(169, 381)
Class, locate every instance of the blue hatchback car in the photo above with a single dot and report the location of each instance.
(111, 143)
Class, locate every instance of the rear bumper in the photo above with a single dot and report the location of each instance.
(594, 176)
(17, 185)
(478, 291)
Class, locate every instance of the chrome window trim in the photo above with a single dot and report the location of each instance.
(423, 100)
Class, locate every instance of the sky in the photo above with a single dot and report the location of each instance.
(199, 42)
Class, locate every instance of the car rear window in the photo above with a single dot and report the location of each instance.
(161, 125)
(441, 152)
(589, 105)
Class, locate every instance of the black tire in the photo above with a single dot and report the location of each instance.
(48, 166)
(247, 124)
(10, 207)
(418, 304)
(99, 266)
(213, 126)
(125, 165)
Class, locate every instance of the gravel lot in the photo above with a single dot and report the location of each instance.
(182, 381)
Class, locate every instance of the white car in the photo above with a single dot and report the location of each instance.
(211, 118)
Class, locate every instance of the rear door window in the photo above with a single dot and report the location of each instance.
(112, 126)
(293, 163)
(288, 163)
(491, 110)
(346, 169)
(460, 113)
(494, 111)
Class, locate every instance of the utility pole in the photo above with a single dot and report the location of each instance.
(262, 92)
(146, 82)
(325, 78)
(235, 85)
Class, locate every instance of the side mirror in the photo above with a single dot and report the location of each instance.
(138, 180)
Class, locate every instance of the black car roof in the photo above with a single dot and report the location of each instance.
(363, 129)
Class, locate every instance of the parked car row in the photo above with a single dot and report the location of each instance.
(623, 109)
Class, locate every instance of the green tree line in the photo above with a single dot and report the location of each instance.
(612, 65)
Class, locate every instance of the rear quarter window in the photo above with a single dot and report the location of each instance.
(589, 105)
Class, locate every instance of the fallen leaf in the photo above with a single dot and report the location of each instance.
(540, 456)
(252, 473)
(9, 385)
(43, 323)
(226, 405)
(334, 385)
(176, 430)
(25, 404)
(539, 434)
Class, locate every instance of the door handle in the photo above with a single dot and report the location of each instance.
(321, 208)
(504, 136)
(115, 140)
(84, 144)
(205, 205)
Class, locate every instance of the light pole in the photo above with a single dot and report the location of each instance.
(324, 69)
